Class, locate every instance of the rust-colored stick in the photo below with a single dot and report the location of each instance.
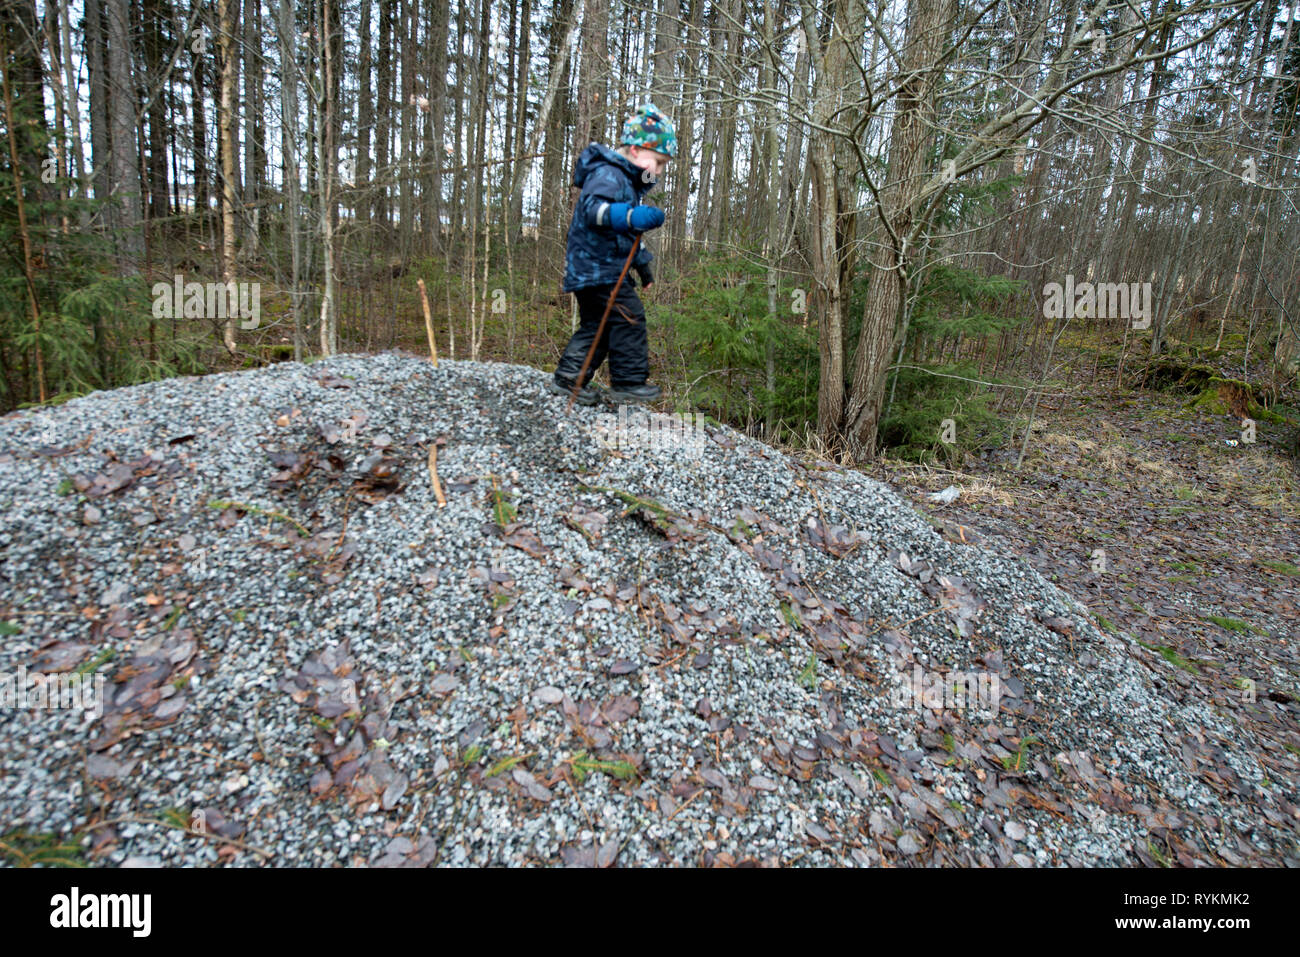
(433, 476)
(428, 323)
(577, 383)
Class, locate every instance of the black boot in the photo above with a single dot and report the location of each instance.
(560, 386)
(642, 392)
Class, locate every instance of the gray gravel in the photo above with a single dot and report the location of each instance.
(465, 650)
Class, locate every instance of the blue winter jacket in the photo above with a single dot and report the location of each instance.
(595, 254)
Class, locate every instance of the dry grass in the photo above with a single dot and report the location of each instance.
(1265, 481)
(1113, 458)
(1159, 469)
(987, 491)
(1061, 442)
(1110, 452)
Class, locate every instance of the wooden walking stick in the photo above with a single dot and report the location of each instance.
(577, 383)
(428, 323)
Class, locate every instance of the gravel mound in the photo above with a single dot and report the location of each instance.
(619, 642)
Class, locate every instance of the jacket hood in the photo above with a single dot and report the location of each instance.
(595, 155)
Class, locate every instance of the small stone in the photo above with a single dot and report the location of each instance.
(909, 844)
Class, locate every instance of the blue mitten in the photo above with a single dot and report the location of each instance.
(646, 217)
(626, 218)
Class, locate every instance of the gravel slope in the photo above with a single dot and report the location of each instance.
(342, 672)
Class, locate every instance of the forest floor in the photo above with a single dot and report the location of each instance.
(1137, 505)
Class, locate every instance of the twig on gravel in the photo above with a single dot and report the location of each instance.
(635, 502)
(642, 619)
(347, 502)
(577, 797)
(455, 818)
(852, 548)
(257, 733)
(665, 664)
(242, 765)
(255, 510)
(906, 623)
(1037, 802)
(433, 475)
(816, 501)
(424, 810)
(137, 819)
(61, 614)
(135, 556)
(681, 807)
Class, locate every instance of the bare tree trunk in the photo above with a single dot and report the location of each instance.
(458, 130)
(289, 145)
(521, 84)
(125, 163)
(365, 120)
(478, 139)
(927, 36)
(198, 66)
(436, 155)
(709, 134)
(156, 13)
(254, 132)
(551, 225)
(408, 20)
(772, 242)
(226, 132)
(74, 111)
(721, 210)
(29, 273)
(593, 78)
(325, 153)
(62, 162)
(383, 126)
(674, 244)
(828, 297)
(796, 171)
(564, 33)
(97, 70)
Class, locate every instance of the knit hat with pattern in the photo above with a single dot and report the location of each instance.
(649, 128)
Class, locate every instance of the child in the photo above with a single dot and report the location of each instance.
(606, 217)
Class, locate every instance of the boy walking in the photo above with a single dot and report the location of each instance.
(606, 218)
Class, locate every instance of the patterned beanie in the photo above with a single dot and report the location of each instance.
(649, 128)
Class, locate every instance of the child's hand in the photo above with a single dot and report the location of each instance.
(646, 217)
(626, 218)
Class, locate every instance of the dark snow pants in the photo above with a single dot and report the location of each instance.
(623, 342)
